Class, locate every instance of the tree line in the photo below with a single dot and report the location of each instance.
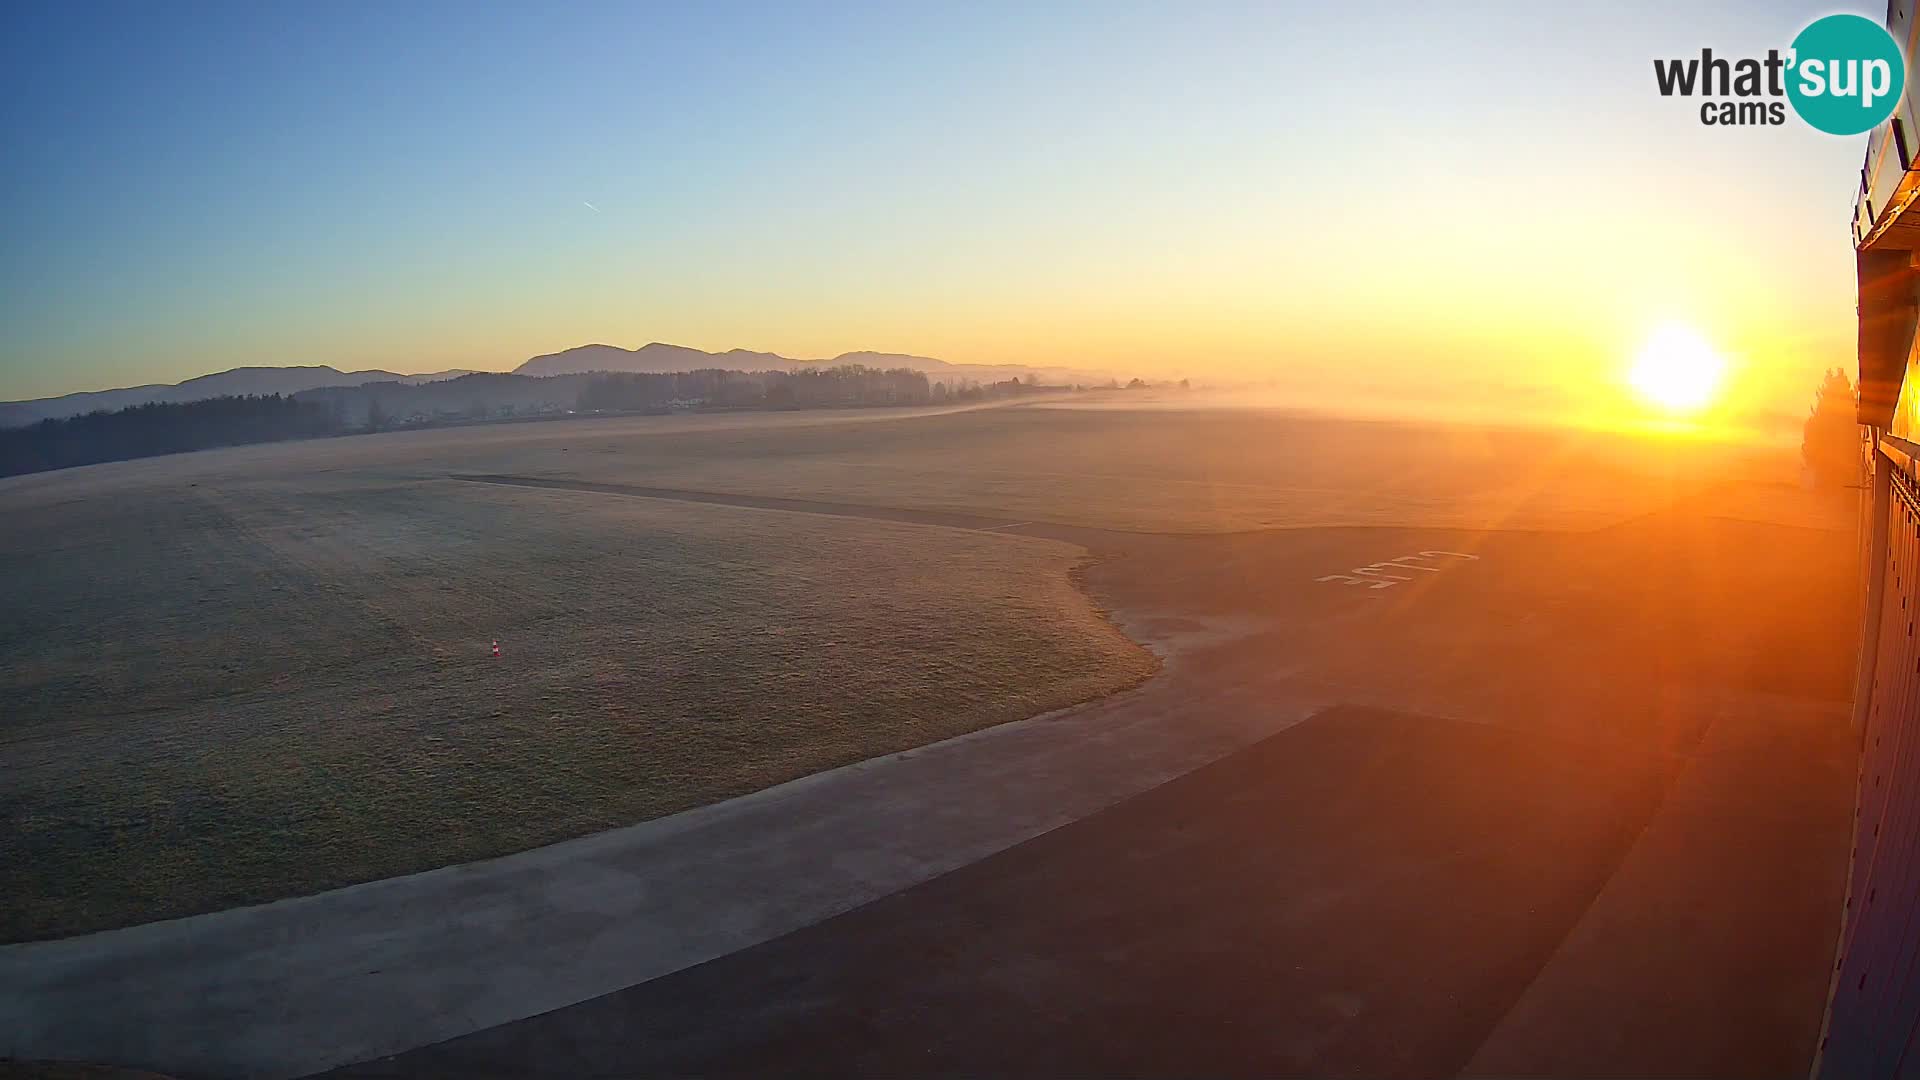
(844, 386)
(162, 428)
(171, 428)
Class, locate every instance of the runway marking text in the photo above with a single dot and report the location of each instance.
(1385, 575)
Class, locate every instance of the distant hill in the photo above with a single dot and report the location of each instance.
(656, 358)
(236, 382)
(659, 358)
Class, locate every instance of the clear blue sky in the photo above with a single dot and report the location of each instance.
(1234, 188)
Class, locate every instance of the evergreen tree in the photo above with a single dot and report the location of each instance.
(1830, 441)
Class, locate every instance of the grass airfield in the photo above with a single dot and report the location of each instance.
(1575, 805)
(1518, 782)
(229, 690)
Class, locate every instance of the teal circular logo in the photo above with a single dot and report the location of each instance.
(1846, 74)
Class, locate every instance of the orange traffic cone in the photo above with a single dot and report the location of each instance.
(496, 649)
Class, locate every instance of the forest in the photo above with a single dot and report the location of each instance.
(163, 428)
(171, 428)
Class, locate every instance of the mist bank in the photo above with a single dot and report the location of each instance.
(1775, 418)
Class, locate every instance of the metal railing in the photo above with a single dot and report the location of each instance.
(1873, 1013)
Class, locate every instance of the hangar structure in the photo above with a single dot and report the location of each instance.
(1873, 1010)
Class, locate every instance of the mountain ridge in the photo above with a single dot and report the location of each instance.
(659, 357)
(249, 379)
(655, 357)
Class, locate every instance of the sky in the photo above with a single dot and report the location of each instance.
(1489, 202)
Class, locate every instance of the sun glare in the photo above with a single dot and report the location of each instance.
(1677, 370)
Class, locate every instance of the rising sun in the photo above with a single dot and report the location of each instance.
(1677, 369)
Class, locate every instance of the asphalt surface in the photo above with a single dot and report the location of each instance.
(1619, 852)
(1570, 804)
(1364, 894)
